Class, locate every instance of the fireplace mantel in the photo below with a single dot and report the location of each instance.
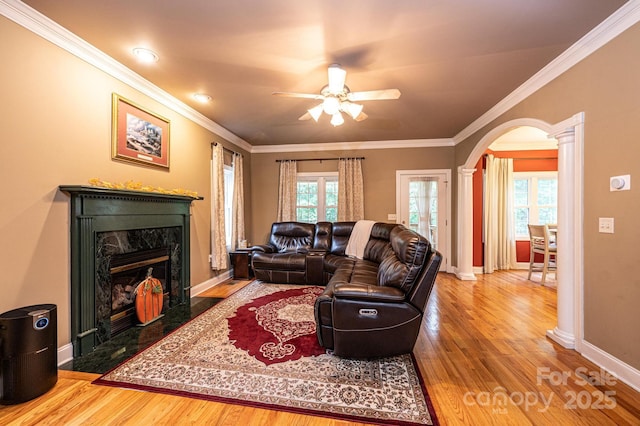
(95, 210)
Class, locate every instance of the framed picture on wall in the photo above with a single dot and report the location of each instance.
(138, 135)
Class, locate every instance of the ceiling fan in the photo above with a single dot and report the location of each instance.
(337, 98)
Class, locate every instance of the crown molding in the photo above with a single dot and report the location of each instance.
(44, 27)
(23, 15)
(352, 146)
(607, 30)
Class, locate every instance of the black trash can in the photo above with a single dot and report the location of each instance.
(28, 352)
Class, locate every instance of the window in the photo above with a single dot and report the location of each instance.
(535, 200)
(317, 197)
(228, 202)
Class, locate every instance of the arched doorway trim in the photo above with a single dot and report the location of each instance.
(570, 134)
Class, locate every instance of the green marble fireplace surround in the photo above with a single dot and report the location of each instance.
(137, 221)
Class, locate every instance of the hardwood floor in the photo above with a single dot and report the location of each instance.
(480, 341)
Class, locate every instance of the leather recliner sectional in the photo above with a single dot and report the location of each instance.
(372, 306)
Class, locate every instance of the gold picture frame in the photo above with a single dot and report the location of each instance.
(138, 135)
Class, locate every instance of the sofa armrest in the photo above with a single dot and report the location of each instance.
(368, 292)
(265, 248)
(314, 261)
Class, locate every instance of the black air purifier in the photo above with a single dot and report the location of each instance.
(28, 353)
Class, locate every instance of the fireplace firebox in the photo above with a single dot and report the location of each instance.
(108, 228)
(128, 271)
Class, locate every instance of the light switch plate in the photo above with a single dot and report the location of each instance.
(392, 216)
(605, 225)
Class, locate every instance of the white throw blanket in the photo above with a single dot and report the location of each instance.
(359, 238)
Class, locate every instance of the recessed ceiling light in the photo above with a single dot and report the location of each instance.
(145, 55)
(201, 97)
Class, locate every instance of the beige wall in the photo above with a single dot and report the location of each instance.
(378, 169)
(605, 86)
(56, 129)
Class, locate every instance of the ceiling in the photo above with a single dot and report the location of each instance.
(452, 59)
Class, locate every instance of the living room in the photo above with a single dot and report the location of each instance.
(57, 131)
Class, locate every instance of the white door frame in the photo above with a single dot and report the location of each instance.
(446, 175)
(570, 134)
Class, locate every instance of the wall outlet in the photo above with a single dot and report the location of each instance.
(605, 225)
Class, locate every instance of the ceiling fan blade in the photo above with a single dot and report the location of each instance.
(337, 77)
(305, 116)
(298, 95)
(362, 116)
(374, 95)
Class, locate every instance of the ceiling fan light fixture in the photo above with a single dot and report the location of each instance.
(336, 79)
(316, 112)
(336, 97)
(354, 110)
(337, 119)
(331, 105)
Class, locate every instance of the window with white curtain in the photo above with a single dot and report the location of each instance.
(535, 200)
(317, 197)
(228, 203)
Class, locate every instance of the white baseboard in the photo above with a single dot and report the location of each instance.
(202, 287)
(65, 352)
(621, 370)
(518, 266)
(464, 277)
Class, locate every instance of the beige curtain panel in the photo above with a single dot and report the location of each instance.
(350, 190)
(219, 253)
(237, 225)
(287, 191)
(499, 228)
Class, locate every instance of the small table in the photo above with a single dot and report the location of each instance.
(241, 263)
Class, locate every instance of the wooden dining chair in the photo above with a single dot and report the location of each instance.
(541, 243)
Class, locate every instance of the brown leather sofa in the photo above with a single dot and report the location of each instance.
(301, 253)
(371, 307)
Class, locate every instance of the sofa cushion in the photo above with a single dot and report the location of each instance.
(292, 236)
(378, 247)
(324, 234)
(332, 262)
(401, 268)
(340, 237)
(356, 271)
(289, 261)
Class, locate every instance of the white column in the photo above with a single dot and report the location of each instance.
(465, 224)
(564, 332)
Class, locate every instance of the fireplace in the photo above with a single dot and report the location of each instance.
(127, 271)
(116, 236)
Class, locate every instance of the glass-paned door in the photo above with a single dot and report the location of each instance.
(423, 205)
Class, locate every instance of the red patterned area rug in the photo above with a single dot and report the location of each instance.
(258, 347)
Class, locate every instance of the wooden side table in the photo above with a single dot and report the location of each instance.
(241, 263)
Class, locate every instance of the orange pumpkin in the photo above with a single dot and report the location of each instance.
(148, 298)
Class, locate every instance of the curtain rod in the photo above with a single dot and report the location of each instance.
(224, 148)
(320, 159)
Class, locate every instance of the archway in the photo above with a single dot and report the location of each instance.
(569, 134)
